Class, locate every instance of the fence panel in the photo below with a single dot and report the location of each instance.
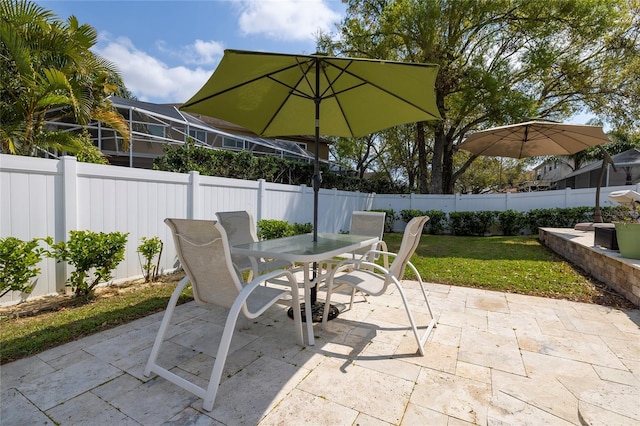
(29, 209)
(43, 197)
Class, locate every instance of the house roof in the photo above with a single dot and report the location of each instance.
(624, 159)
(222, 127)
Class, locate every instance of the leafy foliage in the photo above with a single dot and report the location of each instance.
(269, 229)
(501, 62)
(302, 228)
(49, 73)
(471, 223)
(90, 251)
(188, 157)
(390, 218)
(18, 260)
(510, 222)
(150, 249)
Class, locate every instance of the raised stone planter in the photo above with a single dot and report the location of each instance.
(608, 266)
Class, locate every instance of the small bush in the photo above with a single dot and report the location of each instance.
(389, 218)
(471, 223)
(86, 250)
(437, 222)
(409, 214)
(150, 249)
(510, 222)
(18, 260)
(269, 229)
(302, 228)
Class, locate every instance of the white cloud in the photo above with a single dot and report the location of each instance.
(297, 20)
(199, 53)
(150, 79)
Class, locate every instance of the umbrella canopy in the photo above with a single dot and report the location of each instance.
(275, 94)
(534, 139)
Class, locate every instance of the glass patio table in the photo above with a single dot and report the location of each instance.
(302, 249)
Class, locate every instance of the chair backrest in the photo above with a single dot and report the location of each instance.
(203, 251)
(240, 229)
(367, 223)
(408, 246)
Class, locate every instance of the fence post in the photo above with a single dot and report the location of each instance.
(193, 196)
(566, 197)
(262, 192)
(303, 195)
(69, 169)
(506, 200)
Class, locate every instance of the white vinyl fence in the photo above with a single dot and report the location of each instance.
(520, 201)
(43, 197)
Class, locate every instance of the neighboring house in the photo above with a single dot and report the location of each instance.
(546, 174)
(151, 126)
(628, 172)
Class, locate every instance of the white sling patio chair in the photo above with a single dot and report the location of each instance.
(370, 224)
(203, 251)
(373, 279)
(241, 229)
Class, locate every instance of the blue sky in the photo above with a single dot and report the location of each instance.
(166, 50)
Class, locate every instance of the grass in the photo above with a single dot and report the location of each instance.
(517, 264)
(70, 319)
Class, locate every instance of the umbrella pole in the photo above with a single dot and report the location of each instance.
(317, 308)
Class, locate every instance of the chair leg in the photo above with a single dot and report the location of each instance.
(327, 303)
(164, 326)
(421, 340)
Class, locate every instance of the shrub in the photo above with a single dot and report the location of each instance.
(389, 218)
(88, 250)
(471, 223)
(437, 222)
(149, 249)
(510, 222)
(302, 228)
(268, 229)
(18, 260)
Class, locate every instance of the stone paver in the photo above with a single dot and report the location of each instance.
(494, 359)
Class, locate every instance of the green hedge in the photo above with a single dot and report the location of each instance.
(510, 222)
(188, 157)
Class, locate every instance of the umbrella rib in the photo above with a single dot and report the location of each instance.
(382, 89)
(268, 75)
(292, 92)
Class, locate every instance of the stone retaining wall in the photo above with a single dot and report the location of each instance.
(621, 274)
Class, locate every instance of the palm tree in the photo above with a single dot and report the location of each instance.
(48, 73)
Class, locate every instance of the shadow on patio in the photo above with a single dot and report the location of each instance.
(494, 358)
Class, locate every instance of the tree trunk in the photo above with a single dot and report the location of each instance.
(422, 158)
(447, 167)
(439, 144)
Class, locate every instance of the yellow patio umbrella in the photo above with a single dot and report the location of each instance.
(277, 94)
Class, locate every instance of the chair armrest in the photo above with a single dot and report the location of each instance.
(356, 264)
(274, 274)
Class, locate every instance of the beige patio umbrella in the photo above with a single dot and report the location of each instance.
(538, 139)
(534, 139)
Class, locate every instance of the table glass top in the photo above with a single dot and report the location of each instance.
(304, 246)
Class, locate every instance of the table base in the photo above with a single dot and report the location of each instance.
(316, 312)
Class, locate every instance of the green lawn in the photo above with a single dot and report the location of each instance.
(514, 264)
(518, 264)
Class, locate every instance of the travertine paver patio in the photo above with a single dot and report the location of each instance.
(495, 358)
